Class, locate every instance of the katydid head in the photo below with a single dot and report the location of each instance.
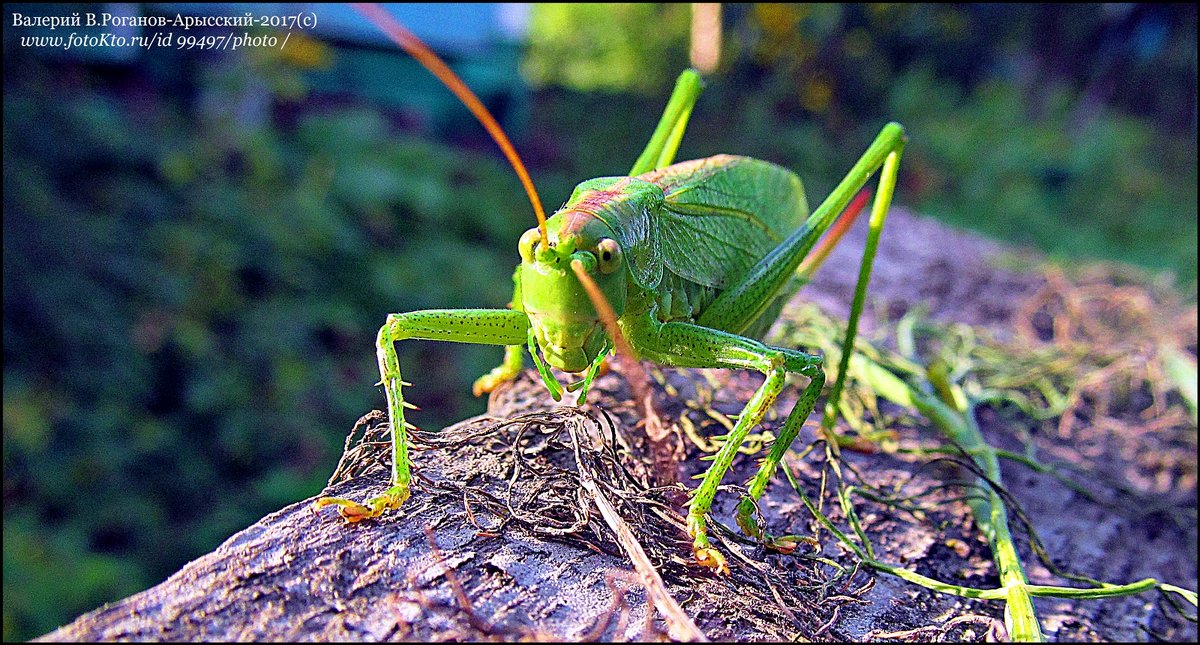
(565, 322)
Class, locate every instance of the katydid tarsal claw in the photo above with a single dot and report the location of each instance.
(695, 260)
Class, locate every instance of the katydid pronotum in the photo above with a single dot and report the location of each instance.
(695, 259)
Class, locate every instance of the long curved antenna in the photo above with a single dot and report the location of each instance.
(430, 61)
(625, 352)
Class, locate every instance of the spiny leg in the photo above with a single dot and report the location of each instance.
(508, 370)
(743, 302)
(479, 326)
(783, 441)
(688, 345)
(747, 507)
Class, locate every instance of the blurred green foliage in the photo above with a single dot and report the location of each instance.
(190, 302)
(198, 253)
(1069, 128)
(614, 47)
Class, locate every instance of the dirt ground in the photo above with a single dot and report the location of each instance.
(502, 541)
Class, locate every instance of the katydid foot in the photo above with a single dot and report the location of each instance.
(747, 520)
(354, 512)
(492, 380)
(706, 556)
(502, 373)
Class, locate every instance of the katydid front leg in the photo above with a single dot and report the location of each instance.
(506, 371)
(478, 326)
(688, 345)
(513, 354)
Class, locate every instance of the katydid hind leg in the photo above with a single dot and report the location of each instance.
(750, 298)
(747, 508)
(745, 301)
(477, 326)
(664, 143)
(879, 211)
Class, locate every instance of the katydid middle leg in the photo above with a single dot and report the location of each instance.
(689, 345)
(478, 326)
(745, 301)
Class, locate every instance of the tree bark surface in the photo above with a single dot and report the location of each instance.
(502, 540)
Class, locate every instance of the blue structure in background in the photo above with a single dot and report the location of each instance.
(482, 42)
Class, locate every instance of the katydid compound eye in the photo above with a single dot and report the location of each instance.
(529, 240)
(609, 253)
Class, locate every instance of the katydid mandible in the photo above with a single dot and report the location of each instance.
(696, 260)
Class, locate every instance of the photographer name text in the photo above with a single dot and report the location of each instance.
(230, 40)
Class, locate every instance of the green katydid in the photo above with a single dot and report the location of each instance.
(695, 259)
